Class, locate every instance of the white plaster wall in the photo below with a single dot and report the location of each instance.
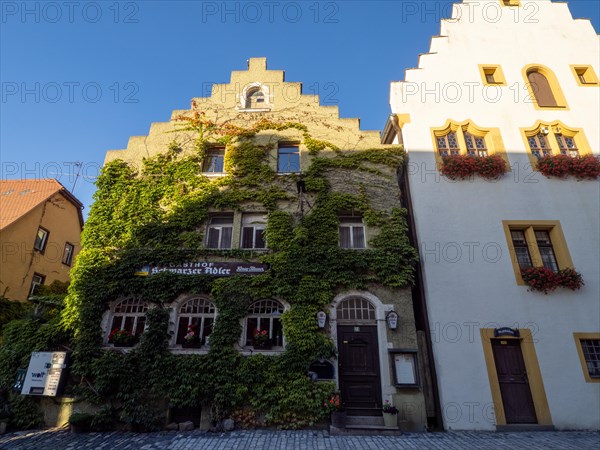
(477, 289)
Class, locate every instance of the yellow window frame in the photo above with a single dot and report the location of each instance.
(588, 74)
(559, 244)
(578, 338)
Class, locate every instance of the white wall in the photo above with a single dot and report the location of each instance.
(470, 291)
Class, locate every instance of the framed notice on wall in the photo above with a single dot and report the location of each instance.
(404, 364)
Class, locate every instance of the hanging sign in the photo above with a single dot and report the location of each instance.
(217, 269)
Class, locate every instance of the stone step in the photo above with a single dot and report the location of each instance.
(364, 420)
(365, 430)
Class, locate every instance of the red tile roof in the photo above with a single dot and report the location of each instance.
(18, 197)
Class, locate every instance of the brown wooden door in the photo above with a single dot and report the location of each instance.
(360, 383)
(514, 384)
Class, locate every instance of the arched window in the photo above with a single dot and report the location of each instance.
(196, 319)
(255, 98)
(129, 315)
(264, 319)
(356, 309)
(540, 86)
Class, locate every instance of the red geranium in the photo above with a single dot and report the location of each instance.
(546, 280)
(463, 166)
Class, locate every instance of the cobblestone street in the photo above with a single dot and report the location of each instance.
(301, 440)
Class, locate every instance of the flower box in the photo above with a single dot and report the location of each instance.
(262, 345)
(546, 280)
(560, 166)
(459, 167)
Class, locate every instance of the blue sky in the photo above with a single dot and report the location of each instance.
(78, 78)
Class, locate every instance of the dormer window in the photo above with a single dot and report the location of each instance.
(255, 98)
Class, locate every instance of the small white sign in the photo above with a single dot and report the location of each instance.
(405, 368)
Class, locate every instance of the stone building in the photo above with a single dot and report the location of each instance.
(40, 228)
(261, 223)
(515, 81)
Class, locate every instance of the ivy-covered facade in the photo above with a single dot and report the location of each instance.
(216, 243)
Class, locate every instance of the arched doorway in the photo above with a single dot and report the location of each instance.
(358, 357)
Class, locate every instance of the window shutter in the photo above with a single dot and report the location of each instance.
(541, 89)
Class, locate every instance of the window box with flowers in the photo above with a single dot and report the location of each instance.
(122, 338)
(545, 280)
(261, 340)
(582, 167)
(191, 338)
(390, 413)
(459, 167)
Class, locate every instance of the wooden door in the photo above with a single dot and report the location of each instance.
(514, 384)
(360, 383)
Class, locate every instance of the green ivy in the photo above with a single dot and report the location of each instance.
(155, 215)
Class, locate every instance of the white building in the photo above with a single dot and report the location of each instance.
(516, 79)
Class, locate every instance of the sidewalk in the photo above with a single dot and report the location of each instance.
(61, 439)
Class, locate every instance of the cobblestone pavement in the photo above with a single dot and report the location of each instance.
(301, 440)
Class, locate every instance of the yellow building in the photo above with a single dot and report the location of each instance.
(40, 228)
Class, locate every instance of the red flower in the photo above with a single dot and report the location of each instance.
(462, 166)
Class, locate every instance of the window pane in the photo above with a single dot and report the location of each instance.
(182, 329)
(139, 328)
(40, 240)
(68, 254)
(226, 237)
(345, 237)
(251, 327)
(591, 354)
(548, 259)
(247, 237)
(358, 237)
(288, 160)
(259, 238)
(213, 238)
(523, 257)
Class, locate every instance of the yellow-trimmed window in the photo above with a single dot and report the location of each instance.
(547, 139)
(536, 244)
(588, 348)
(510, 2)
(466, 138)
(544, 89)
(492, 75)
(585, 75)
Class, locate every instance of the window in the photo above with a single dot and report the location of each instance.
(475, 145)
(264, 315)
(466, 139)
(543, 87)
(356, 309)
(41, 239)
(288, 159)
(219, 232)
(567, 145)
(588, 348)
(129, 315)
(253, 231)
(539, 243)
(538, 145)
(548, 139)
(196, 314)
(585, 75)
(510, 2)
(255, 98)
(352, 232)
(214, 160)
(492, 75)
(68, 254)
(521, 250)
(448, 144)
(36, 281)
